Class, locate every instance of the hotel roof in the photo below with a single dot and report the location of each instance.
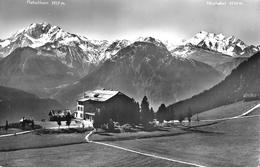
(98, 95)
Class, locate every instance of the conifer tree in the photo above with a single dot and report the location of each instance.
(161, 113)
(145, 111)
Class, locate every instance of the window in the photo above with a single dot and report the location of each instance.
(81, 115)
(80, 108)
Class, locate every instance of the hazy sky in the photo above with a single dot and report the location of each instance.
(116, 19)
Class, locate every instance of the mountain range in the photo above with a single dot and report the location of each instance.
(221, 52)
(47, 61)
(147, 68)
(218, 42)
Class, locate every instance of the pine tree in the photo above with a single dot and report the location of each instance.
(162, 113)
(145, 111)
(151, 115)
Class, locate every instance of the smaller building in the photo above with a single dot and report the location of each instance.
(54, 114)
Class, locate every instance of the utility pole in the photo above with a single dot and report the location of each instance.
(198, 118)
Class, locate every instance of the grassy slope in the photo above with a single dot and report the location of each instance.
(236, 144)
(226, 111)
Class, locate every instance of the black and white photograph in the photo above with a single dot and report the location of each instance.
(130, 83)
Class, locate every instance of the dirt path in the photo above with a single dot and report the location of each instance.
(18, 133)
(148, 155)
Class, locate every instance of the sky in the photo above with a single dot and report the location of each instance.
(172, 20)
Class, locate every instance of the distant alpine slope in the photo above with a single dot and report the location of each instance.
(15, 104)
(242, 83)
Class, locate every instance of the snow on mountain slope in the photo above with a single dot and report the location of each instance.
(221, 62)
(169, 45)
(42, 35)
(116, 46)
(4, 43)
(218, 42)
(51, 40)
(113, 48)
(157, 42)
(75, 51)
(222, 53)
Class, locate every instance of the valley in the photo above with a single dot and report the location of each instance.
(67, 99)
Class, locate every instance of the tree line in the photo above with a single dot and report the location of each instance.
(134, 113)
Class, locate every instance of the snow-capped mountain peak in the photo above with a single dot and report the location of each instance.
(218, 42)
(46, 36)
(38, 34)
(73, 50)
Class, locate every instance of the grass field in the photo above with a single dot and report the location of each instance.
(87, 154)
(138, 135)
(227, 143)
(54, 138)
(32, 140)
(234, 143)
